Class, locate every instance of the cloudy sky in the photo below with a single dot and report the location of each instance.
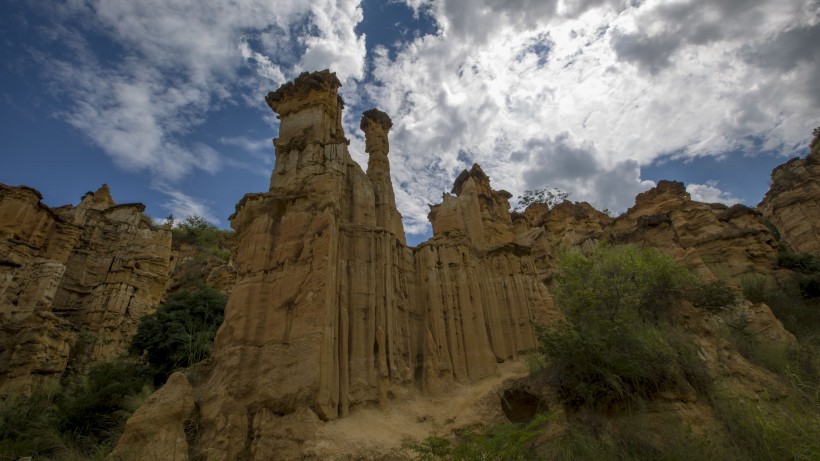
(164, 99)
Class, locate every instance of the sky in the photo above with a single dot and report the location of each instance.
(163, 100)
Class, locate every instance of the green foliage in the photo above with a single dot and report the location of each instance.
(634, 438)
(799, 314)
(548, 196)
(180, 333)
(196, 231)
(611, 350)
(509, 441)
(757, 430)
(614, 280)
(713, 296)
(98, 404)
(79, 421)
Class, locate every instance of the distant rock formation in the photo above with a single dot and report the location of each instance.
(74, 281)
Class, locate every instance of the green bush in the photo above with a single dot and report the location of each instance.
(98, 404)
(181, 332)
(610, 350)
(616, 279)
(207, 238)
(510, 442)
(79, 421)
(713, 296)
(799, 314)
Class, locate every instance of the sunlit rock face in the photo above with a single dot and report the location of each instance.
(332, 311)
(74, 281)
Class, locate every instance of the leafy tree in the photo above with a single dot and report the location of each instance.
(180, 333)
(196, 231)
(548, 196)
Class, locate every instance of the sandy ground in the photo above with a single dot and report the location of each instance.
(373, 433)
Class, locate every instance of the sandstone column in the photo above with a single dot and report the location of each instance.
(375, 125)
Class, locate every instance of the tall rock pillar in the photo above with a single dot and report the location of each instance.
(375, 125)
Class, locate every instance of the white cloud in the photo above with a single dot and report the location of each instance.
(710, 193)
(172, 63)
(182, 205)
(580, 95)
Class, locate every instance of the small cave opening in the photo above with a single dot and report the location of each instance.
(521, 406)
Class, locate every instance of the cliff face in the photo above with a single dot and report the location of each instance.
(35, 246)
(332, 311)
(793, 201)
(75, 281)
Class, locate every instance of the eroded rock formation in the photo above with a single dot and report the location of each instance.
(74, 281)
(332, 315)
(332, 311)
(792, 203)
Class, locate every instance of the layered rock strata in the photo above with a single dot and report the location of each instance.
(75, 281)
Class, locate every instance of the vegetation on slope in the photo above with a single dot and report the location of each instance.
(82, 417)
(620, 347)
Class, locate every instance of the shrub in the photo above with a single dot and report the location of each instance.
(180, 333)
(713, 296)
(511, 442)
(207, 238)
(610, 350)
(799, 314)
(98, 404)
(614, 279)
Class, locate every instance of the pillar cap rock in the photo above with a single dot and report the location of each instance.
(375, 116)
(286, 99)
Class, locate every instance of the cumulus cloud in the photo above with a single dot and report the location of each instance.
(182, 205)
(167, 65)
(581, 94)
(710, 193)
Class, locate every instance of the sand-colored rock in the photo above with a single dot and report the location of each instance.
(332, 313)
(74, 281)
(792, 203)
(35, 245)
(334, 322)
(117, 273)
(157, 430)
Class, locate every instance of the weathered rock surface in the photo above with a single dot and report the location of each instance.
(332, 311)
(792, 203)
(153, 431)
(333, 316)
(74, 281)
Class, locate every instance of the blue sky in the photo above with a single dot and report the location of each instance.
(163, 99)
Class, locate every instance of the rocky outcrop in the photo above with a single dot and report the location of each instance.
(331, 311)
(712, 240)
(75, 281)
(35, 246)
(792, 203)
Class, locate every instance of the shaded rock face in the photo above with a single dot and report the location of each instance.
(792, 203)
(332, 311)
(74, 281)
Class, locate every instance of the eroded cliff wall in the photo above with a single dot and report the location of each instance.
(74, 281)
(332, 312)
